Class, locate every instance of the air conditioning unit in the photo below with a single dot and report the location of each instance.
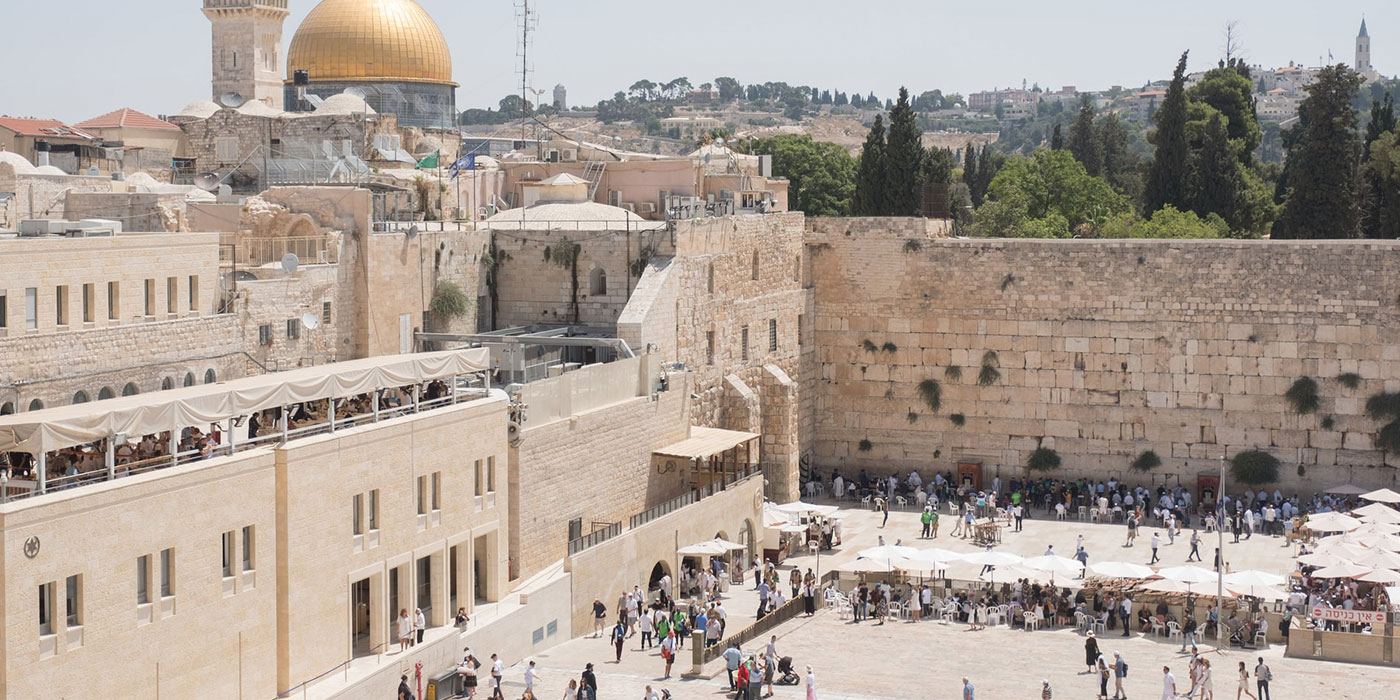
(570, 155)
(630, 206)
(648, 207)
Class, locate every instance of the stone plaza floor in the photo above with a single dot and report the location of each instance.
(927, 660)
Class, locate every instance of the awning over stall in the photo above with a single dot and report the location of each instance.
(706, 442)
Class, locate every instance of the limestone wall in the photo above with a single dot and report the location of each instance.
(1104, 350)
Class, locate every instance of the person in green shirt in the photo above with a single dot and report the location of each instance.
(934, 524)
(1015, 498)
(678, 623)
(663, 627)
(927, 519)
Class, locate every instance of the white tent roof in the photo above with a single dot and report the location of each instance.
(144, 414)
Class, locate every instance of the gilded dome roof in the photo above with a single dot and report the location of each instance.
(370, 40)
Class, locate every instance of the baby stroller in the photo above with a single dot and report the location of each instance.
(787, 675)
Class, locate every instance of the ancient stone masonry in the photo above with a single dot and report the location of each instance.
(1102, 350)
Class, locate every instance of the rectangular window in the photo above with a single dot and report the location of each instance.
(226, 149)
(89, 297)
(490, 475)
(114, 301)
(772, 335)
(227, 542)
(72, 600)
(477, 481)
(31, 308)
(437, 491)
(374, 510)
(357, 506)
(46, 608)
(744, 343)
(4, 310)
(293, 328)
(167, 573)
(60, 298)
(799, 330)
(422, 493)
(709, 347)
(325, 312)
(265, 334)
(150, 302)
(248, 560)
(194, 292)
(172, 295)
(143, 579)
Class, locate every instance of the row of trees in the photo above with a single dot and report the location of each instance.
(894, 166)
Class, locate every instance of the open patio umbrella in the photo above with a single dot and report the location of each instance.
(798, 508)
(867, 566)
(887, 554)
(1163, 585)
(930, 559)
(1380, 576)
(1332, 522)
(1377, 512)
(1053, 564)
(992, 559)
(1190, 575)
(1261, 592)
(1343, 570)
(1379, 558)
(1122, 569)
(1254, 578)
(710, 548)
(1382, 496)
(1346, 490)
(1323, 559)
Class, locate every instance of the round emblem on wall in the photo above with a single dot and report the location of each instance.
(31, 547)
(669, 466)
(757, 499)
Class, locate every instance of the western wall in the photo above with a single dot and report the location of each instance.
(1101, 350)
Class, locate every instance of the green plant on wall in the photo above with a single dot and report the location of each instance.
(869, 346)
(912, 417)
(931, 394)
(1302, 396)
(1043, 459)
(449, 301)
(1146, 462)
(958, 420)
(1386, 407)
(952, 373)
(889, 391)
(989, 374)
(565, 254)
(889, 347)
(1327, 423)
(865, 445)
(1007, 281)
(913, 246)
(1350, 380)
(1254, 467)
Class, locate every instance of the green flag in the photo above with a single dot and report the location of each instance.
(431, 161)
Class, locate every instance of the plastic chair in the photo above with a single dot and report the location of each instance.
(1157, 627)
(901, 501)
(1032, 621)
(1081, 622)
(1059, 511)
(921, 498)
(952, 508)
(1100, 627)
(1094, 514)
(1083, 513)
(865, 501)
(1261, 638)
(1173, 629)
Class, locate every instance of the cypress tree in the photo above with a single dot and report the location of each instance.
(970, 174)
(1376, 199)
(987, 167)
(1322, 158)
(1218, 186)
(904, 158)
(870, 197)
(1166, 180)
(1118, 162)
(1057, 141)
(1083, 142)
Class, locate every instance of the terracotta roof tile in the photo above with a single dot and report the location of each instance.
(126, 117)
(41, 128)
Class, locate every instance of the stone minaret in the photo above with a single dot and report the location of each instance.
(247, 45)
(1363, 51)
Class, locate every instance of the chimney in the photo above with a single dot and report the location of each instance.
(41, 153)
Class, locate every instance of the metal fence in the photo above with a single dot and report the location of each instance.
(256, 252)
(596, 537)
(657, 511)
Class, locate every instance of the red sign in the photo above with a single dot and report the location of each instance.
(1373, 617)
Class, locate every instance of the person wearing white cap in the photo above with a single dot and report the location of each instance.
(1044, 689)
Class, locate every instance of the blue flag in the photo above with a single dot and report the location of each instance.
(467, 162)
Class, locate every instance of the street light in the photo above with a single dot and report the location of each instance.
(1220, 555)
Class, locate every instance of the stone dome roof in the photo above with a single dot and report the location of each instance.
(200, 109)
(18, 163)
(344, 103)
(370, 41)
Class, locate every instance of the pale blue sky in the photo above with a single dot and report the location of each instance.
(72, 59)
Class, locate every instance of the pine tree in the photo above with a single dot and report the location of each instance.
(987, 166)
(1083, 142)
(1377, 199)
(1382, 120)
(1057, 141)
(1217, 185)
(904, 157)
(1118, 162)
(870, 199)
(1322, 158)
(1166, 180)
(969, 177)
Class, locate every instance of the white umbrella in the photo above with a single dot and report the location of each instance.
(1261, 592)
(727, 544)
(1121, 569)
(1322, 559)
(1382, 496)
(711, 548)
(930, 559)
(798, 508)
(887, 551)
(1346, 490)
(1331, 522)
(1254, 578)
(1343, 570)
(1380, 576)
(1379, 558)
(866, 566)
(1188, 574)
(1053, 564)
(1377, 512)
(1162, 585)
(992, 558)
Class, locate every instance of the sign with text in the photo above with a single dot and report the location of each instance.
(1371, 617)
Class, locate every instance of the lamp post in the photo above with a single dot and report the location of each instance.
(1220, 555)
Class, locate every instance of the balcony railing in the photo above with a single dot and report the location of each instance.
(256, 252)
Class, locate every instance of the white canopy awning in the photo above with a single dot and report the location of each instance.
(144, 414)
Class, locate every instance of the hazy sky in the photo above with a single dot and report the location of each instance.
(73, 59)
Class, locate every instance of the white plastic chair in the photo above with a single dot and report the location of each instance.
(921, 498)
(1032, 621)
(1157, 627)
(865, 501)
(1083, 513)
(1081, 622)
(1099, 626)
(1261, 638)
(952, 508)
(901, 501)
(1173, 629)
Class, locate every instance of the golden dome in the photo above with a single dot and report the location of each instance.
(370, 40)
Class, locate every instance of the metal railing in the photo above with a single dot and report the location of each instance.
(692, 496)
(596, 537)
(255, 252)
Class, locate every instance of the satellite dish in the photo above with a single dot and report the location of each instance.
(412, 231)
(290, 262)
(232, 100)
(207, 181)
(719, 141)
(310, 321)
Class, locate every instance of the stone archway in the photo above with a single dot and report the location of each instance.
(659, 571)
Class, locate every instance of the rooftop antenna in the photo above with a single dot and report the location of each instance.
(528, 23)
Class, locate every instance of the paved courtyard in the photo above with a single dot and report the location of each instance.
(927, 659)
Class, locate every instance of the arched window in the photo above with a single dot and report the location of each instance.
(80, 397)
(36, 405)
(7, 408)
(755, 264)
(209, 376)
(130, 389)
(105, 393)
(597, 282)
(167, 384)
(189, 379)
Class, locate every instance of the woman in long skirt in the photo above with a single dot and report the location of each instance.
(811, 684)
(809, 598)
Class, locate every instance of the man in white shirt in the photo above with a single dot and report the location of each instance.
(530, 677)
(1127, 614)
(1156, 540)
(1168, 684)
(498, 668)
(1270, 517)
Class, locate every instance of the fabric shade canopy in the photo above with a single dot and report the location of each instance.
(1262, 592)
(1053, 564)
(1188, 574)
(1332, 522)
(1254, 578)
(1382, 496)
(1122, 569)
(711, 548)
(1342, 570)
(145, 414)
(1377, 512)
(704, 443)
(1380, 576)
(993, 558)
(867, 566)
(798, 508)
(1346, 490)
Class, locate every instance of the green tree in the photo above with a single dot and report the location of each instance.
(1046, 195)
(1215, 173)
(1383, 175)
(1232, 94)
(821, 176)
(870, 195)
(729, 89)
(512, 107)
(1083, 142)
(1166, 180)
(904, 157)
(1166, 222)
(969, 176)
(988, 165)
(1057, 141)
(1322, 160)
(1119, 163)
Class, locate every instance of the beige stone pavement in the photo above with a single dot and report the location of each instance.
(927, 659)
